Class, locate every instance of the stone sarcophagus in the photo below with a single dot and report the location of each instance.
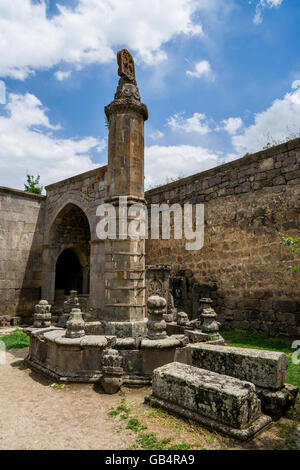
(221, 403)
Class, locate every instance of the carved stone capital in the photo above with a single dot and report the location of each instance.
(126, 105)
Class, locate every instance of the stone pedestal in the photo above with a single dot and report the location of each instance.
(112, 371)
(42, 315)
(156, 307)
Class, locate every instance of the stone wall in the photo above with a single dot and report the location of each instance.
(21, 238)
(248, 202)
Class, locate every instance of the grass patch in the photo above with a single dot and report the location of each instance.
(256, 340)
(149, 441)
(144, 440)
(122, 410)
(15, 340)
(135, 425)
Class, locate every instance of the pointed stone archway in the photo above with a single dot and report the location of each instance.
(67, 254)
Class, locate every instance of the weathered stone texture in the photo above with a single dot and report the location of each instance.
(21, 238)
(266, 369)
(218, 398)
(222, 398)
(124, 273)
(248, 202)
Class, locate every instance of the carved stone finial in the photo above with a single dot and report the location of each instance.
(126, 65)
(127, 94)
(182, 319)
(72, 302)
(75, 324)
(210, 324)
(42, 315)
(204, 303)
(156, 324)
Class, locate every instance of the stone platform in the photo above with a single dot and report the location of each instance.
(79, 359)
(66, 359)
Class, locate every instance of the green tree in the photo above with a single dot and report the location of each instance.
(292, 244)
(33, 185)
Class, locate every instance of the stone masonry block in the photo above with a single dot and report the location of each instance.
(220, 402)
(265, 369)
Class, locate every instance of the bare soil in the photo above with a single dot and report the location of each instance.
(36, 415)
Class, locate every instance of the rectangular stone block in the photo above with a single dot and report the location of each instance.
(220, 402)
(266, 369)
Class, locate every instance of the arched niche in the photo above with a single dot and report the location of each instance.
(67, 253)
(68, 273)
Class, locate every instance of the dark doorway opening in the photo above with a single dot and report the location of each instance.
(69, 274)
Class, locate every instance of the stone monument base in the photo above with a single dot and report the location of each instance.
(79, 359)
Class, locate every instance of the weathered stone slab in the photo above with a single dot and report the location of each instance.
(265, 369)
(222, 403)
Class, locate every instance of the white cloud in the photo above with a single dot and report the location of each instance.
(202, 69)
(2, 92)
(272, 3)
(28, 145)
(198, 123)
(89, 32)
(173, 161)
(281, 121)
(296, 84)
(155, 135)
(231, 125)
(264, 4)
(60, 75)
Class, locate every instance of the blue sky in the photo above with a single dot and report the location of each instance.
(220, 79)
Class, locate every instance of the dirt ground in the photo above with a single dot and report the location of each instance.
(36, 415)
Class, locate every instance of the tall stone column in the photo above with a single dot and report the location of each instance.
(124, 257)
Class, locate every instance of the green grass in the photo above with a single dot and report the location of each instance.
(144, 440)
(15, 340)
(123, 410)
(256, 340)
(135, 425)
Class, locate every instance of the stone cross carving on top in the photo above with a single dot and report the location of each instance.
(126, 65)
